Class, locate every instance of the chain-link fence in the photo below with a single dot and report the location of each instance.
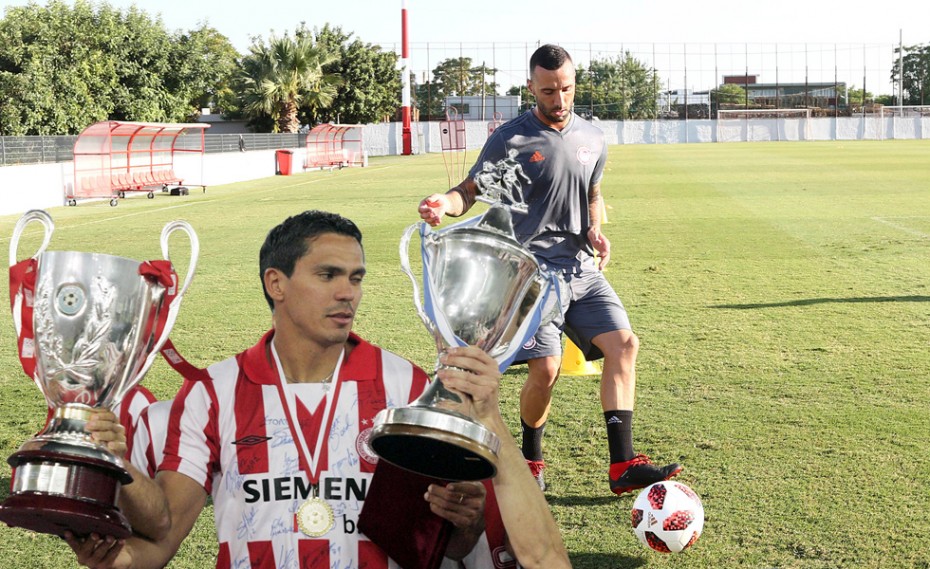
(842, 78)
(49, 149)
(35, 149)
(686, 81)
(679, 66)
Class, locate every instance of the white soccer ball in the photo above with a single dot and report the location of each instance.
(668, 516)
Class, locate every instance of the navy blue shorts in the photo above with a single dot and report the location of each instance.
(589, 307)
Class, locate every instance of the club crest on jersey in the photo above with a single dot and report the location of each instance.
(363, 447)
(584, 154)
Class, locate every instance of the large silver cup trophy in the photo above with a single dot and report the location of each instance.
(481, 287)
(89, 327)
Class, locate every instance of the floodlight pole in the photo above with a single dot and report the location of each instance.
(405, 81)
(900, 67)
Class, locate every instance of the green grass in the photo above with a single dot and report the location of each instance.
(780, 293)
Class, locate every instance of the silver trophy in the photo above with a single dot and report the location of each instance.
(481, 287)
(89, 327)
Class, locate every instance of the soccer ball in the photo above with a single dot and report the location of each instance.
(668, 516)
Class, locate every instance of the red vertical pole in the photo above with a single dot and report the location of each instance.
(405, 81)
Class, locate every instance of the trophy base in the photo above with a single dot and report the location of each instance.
(436, 443)
(56, 493)
(55, 515)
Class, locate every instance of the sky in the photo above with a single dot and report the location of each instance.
(452, 28)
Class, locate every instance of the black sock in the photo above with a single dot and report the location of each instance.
(532, 441)
(619, 434)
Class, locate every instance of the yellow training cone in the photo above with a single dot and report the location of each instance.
(574, 364)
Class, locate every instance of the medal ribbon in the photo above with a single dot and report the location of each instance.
(308, 464)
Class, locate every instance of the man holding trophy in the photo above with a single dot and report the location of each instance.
(564, 158)
(277, 434)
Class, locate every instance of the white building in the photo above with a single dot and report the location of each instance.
(478, 108)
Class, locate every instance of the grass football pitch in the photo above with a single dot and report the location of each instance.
(780, 292)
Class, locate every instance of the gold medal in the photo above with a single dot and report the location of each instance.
(315, 517)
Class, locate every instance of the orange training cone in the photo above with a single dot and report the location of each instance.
(574, 363)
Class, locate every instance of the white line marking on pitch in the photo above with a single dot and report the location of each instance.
(105, 220)
(902, 227)
(316, 180)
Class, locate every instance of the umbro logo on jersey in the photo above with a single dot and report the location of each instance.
(251, 440)
(537, 157)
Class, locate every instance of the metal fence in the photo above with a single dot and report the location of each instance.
(50, 149)
(780, 75)
(679, 66)
(690, 72)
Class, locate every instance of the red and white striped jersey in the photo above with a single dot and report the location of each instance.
(130, 410)
(148, 447)
(231, 434)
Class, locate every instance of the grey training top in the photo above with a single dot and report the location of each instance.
(562, 165)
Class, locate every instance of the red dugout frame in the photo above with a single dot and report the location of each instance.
(115, 157)
(335, 145)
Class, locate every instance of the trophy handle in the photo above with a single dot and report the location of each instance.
(27, 218)
(170, 228)
(175, 306)
(405, 266)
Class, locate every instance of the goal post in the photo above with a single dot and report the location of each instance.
(754, 125)
(905, 111)
(904, 121)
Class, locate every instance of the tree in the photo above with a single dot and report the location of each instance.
(203, 66)
(55, 74)
(853, 97)
(916, 64)
(428, 100)
(526, 98)
(63, 68)
(454, 77)
(280, 77)
(728, 94)
(370, 86)
(619, 88)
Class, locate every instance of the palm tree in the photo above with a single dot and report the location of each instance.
(286, 74)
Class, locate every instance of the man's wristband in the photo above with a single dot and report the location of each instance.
(465, 201)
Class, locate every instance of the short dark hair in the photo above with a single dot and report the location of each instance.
(290, 240)
(550, 57)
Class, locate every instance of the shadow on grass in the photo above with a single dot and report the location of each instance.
(604, 561)
(5, 482)
(564, 500)
(812, 301)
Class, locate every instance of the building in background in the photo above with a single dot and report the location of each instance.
(478, 108)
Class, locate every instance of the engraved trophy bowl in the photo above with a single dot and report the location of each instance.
(90, 326)
(481, 287)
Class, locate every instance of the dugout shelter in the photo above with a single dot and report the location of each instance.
(112, 158)
(335, 146)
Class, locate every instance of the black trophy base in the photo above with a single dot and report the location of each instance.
(53, 494)
(55, 515)
(435, 443)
